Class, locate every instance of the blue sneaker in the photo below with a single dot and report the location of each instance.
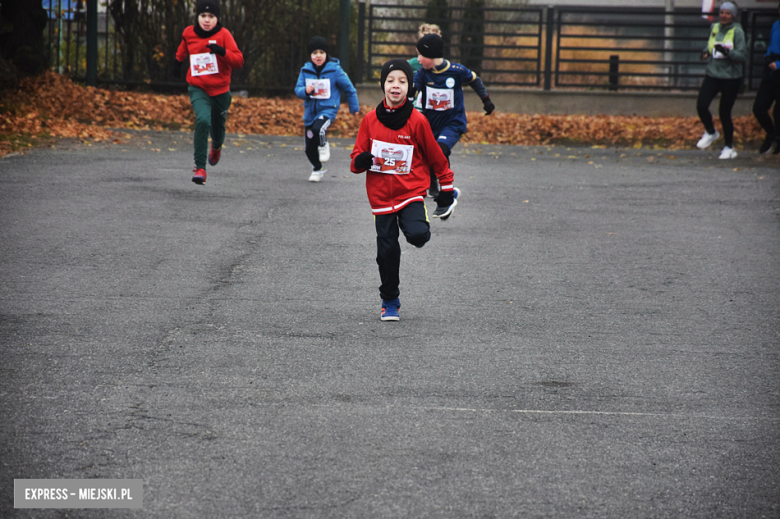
(390, 309)
(446, 211)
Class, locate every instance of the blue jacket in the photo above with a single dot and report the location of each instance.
(450, 77)
(339, 81)
(774, 42)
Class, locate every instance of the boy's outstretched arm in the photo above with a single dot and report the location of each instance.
(476, 83)
(231, 54)
(346, 85)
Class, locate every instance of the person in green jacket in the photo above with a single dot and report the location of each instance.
(725, 54)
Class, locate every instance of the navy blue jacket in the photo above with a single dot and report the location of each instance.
(448, 76)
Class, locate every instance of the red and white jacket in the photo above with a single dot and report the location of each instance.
(388, 193)
(191, 44)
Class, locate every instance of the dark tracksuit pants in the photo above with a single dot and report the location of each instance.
(313, 138)
(728, 88)
(210, 117)
(412, 220)
(768, 93)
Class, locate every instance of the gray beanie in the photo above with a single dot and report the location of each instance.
(729, 6)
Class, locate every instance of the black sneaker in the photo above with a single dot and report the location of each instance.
(766, 147)
(444, 212)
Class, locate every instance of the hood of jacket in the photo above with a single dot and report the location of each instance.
(329, 66)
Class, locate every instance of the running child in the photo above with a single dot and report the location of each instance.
(213, 54)
(441, 84)
(320, 84)
(396, 149)
(426, 28)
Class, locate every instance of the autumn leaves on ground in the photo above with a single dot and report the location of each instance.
(51, 106)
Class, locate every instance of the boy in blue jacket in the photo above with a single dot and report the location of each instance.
(440, 83)
(320, 84)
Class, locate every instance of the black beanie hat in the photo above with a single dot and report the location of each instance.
(431, 46)
(207, 6)
(398, 64)
(318, 43)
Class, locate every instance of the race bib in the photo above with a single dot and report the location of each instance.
(392, 159)
(321, 88)
(719, 55)
(203, 64)
(439, 99)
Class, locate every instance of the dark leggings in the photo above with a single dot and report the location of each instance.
(314, 138)
(768, 93)
(412, 220)
(728, 88)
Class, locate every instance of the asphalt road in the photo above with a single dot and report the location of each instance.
(594, 333)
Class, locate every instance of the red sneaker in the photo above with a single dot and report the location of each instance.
(200, 176)
(214, 156)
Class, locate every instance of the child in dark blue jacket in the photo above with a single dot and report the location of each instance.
(320, 84)
(440, 83)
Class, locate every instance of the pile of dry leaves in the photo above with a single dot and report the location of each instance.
(53, 106)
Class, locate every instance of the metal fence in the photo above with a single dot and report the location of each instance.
(642, 48)
(138, 39)
(504, 46)
(547, 47)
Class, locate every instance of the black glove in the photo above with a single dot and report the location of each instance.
(364, 161)
(720, 48)
(488, 105)
(176, 69)
(446, 198)
(217, 49)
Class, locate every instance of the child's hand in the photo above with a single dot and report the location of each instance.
(445, 198)
(364, 161)
(705, 55)
(309, 89)
(488, 105)
(217, 49)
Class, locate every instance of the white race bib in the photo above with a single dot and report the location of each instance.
(203, 64)
(439, 99)
(391, 158)
(321, 88)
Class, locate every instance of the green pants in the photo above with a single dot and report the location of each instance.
(210, 116)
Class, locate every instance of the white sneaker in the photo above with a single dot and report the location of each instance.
(728, 153)
(324, 152)
(707, 139)
(316, 176)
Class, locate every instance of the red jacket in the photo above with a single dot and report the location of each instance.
(387, 193)
(191, 44)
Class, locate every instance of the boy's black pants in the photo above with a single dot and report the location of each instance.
(313, 138)
(728, 88)
(412, 220)
(768, 93)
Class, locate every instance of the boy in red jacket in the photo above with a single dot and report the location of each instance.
(213, 55)
(396, 148)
